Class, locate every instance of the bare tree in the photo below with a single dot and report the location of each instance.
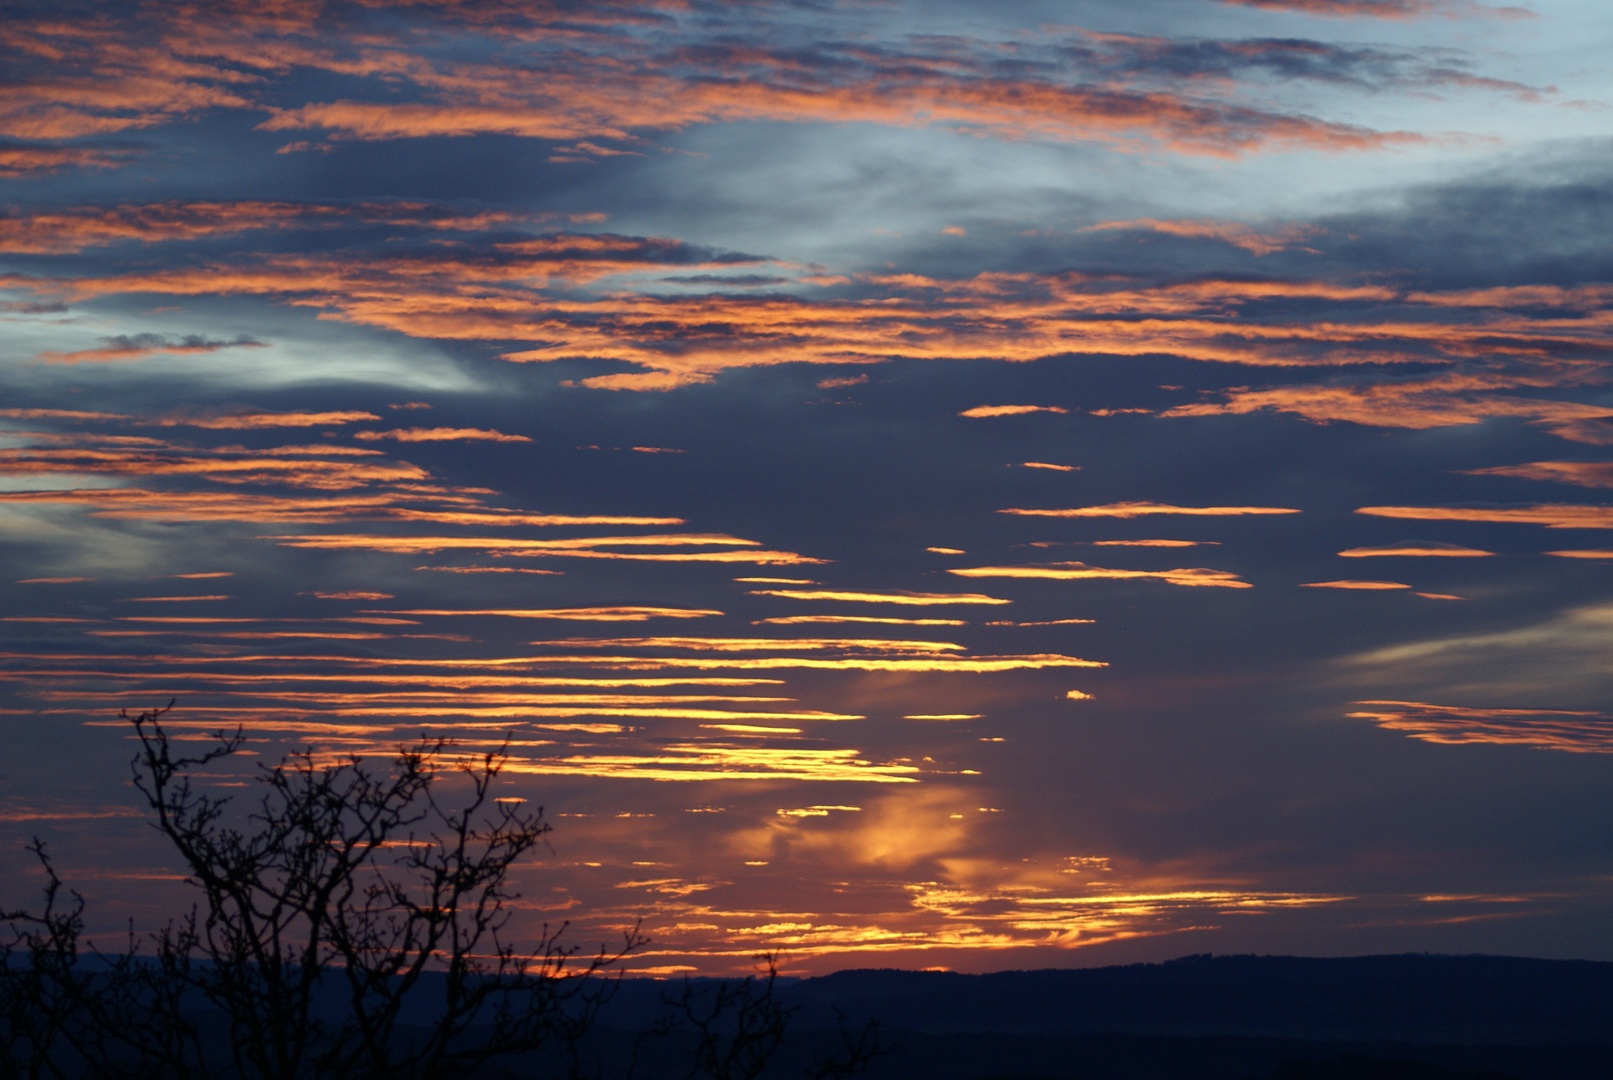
(352, 925)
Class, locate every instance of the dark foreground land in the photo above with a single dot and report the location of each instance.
(1414, 1017)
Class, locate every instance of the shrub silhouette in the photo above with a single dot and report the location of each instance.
(354, 924)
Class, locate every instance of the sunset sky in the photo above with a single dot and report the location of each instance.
(938, 484)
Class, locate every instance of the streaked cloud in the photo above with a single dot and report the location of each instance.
(1153, 543)
(441, 434)
(1143, 509)
(1591, 474)
(1576, 732)
(1368, 586)
(914, 599)
(1080, 571)
(1010, 410)
(1422, 549)
(1236, 233)
(1551, 515)
(142, 346)
(591, 614)
(807, 620)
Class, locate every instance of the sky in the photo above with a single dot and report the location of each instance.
(958, 485)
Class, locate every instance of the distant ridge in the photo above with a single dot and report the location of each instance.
(1406, 1017)
(1415, 997)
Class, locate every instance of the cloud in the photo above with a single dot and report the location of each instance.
(126, 347)
(914, 598)
(1010, 410)
(251, 421)
(1142, 509)
(1441, 401)
(22, 160)
(522, 297)
(1417, 549)
(588, 614)
(440, 434)
(1155, 543)
(1080, 571)
(1386, 9)
(1591, 474)
(62, 230)
(1236, 233)
(169, 599)
(1576, 732)
(1046, 465)
(837, 383)
(802, 620)
(1551, 515)
(1348, 584)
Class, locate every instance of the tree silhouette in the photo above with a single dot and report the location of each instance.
(353, 925)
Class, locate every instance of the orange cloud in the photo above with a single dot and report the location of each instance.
(1545, 729)
(1154, 543)
(682, 762)
(1591, 474)
(713, 644)
(142, 346)
(493, 293)
(17, 161)
(1045, 622)
(365, 541)
(55, 231)
(248, 421)
(1046, 465)
(1597, 553)
(1345, 584)
(591, 614)
(911, 598)
(441, 434)
(1389, 9)
(801, 620)
(1444, 401)
(1551, 515)
(1139, 509)
(1235, 233)
(838, 383)
(1417, 549)
(135, 599)
(59, 414)
(1080, 571)
(1010, 410)
(487, 570)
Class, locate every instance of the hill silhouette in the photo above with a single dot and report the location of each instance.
(1405, 1017)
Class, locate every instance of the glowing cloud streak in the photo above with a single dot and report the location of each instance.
(1079, 571)
(1572, 731)
(1142, 509)
(912, 599)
